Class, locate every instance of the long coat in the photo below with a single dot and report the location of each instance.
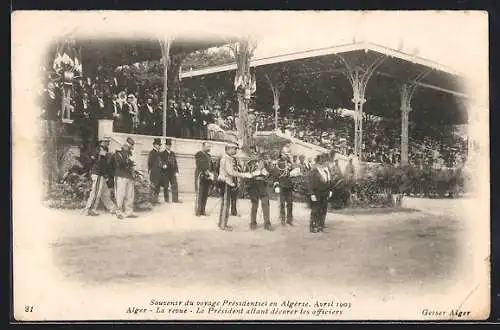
(154, 166)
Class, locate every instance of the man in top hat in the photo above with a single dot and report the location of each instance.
(319, 193)
(228, 173)
(123, 166)
(170, 171)
(157, 176)
(204, 177)
(99, 173)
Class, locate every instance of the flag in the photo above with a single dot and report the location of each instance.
(57, 62)
(253, 84)
(78, 62)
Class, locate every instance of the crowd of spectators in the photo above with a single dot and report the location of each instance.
(137, 108)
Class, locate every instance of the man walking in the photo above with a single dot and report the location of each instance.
(203, 178)
(170, 170)
(156, 174)
(99, 173)
(227, 175)
(124, 180)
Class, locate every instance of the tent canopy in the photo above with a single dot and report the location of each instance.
(113, 52)
(317, 77)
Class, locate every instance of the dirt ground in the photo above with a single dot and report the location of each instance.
(387, 249)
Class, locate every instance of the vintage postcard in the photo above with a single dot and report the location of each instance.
(277, 165)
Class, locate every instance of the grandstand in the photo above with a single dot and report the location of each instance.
(381, 83)
(354, 98)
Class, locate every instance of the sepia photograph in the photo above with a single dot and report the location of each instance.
(251, 165)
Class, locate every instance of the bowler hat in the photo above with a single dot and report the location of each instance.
(157, 142)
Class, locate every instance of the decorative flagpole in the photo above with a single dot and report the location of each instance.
(245, 86)
(165, 52)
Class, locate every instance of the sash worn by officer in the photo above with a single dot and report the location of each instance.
(227, 175)
(319, 193)
(258, 189)
(157, 177)
(99, 172)
(124, 180)
(204, 177)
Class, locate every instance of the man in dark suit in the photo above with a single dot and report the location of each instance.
(157, 177)
(170, 170)
(319, 193)
(148, 117)
(204, 177)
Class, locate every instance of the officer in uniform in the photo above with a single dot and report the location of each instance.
(156, 174)
(235, 190)
(227, 175)
(285, 171)
(123, 166)
(100, 172)
(319, 193)
(204, 177)
(171, 170)
(258, 189)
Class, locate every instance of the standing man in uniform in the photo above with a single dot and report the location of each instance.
(227, 175)
(204, 177)
(319, 193)
(124, 180)
(156, 174)
(258, 189)
(285, 172)
(235, 190)
(99, 173)
(171, 170)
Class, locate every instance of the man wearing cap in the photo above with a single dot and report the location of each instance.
(99, 172)
(285, 171)
(203, 178)
(258, 190)
(227, 175)
(123, 166)
(157, 177)
(170, 171)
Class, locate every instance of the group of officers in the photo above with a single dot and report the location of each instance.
(260, 176)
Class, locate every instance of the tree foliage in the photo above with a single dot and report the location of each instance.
(207, 58)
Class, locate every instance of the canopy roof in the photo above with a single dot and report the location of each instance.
(113, 52)
(317, 77)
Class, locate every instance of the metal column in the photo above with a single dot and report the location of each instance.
(359, 77)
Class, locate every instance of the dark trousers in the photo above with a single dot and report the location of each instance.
(234, 197)
(286, 203)
(157, 185)
(171, 179)
(264, 200)
(318, 214)
(202, 190)
(224, 205)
